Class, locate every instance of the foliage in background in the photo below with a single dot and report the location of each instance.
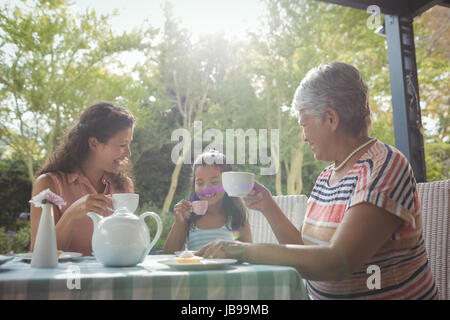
(52, 63)
(15, 191)
(16, 241)
(437, 159)
(432, 32)
(167, 220)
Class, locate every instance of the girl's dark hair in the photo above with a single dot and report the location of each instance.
(102, 120)
(233, 207)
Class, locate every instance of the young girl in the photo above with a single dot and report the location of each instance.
(89, 165)
(225, 216)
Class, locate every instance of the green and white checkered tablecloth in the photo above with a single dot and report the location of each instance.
(86, 278)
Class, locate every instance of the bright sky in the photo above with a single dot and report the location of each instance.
(233, 17)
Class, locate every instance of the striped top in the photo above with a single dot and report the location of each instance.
(198, 238)
(384, 178)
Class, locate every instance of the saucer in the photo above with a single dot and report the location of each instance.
(204, 264)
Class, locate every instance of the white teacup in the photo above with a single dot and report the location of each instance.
(127, 200)
(238, 184)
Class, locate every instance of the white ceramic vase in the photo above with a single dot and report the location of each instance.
(45, 253)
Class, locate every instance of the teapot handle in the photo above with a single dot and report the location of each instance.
(158, 230)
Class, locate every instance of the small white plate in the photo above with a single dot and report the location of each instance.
(204, 264)
(63, 256)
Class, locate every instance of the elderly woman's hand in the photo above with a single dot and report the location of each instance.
(260, 198)
(223, 249)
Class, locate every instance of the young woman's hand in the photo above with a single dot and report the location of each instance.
(98, 203)
(182, 210)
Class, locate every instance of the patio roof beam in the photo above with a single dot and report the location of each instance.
(404, 8)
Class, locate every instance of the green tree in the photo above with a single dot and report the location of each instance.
(52, 63)
(186, 74)
(294, 39)
(16, 190)
(433, 54)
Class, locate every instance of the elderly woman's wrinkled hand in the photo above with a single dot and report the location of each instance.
(260, 198)
(223, 249)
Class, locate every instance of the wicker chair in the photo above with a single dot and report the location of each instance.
(293, 206)
(434, 199)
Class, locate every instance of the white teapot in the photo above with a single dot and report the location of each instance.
(122, 239)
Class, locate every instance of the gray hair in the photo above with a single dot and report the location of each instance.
(339, 86)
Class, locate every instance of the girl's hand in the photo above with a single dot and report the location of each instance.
(260, 198)
(182, 210)
(98, 203)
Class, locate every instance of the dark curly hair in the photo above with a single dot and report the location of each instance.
(102, 120)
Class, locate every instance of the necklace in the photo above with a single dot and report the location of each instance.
(343, 163)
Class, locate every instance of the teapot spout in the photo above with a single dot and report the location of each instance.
(96, 218)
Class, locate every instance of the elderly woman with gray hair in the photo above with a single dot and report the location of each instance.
(361, 237)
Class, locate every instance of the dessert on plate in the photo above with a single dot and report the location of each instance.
(188, 257)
